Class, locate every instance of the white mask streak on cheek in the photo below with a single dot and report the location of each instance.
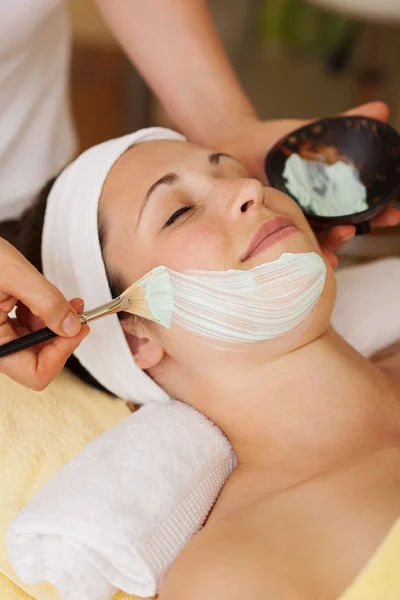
(159, 295)
(243, 306)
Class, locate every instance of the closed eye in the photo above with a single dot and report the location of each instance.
(178, 213)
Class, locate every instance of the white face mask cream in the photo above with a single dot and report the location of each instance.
(325, 190)
(238, 306)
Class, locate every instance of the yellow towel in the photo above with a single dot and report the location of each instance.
(39, 433)
(380, 580)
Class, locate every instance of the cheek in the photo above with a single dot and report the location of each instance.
(192, 247)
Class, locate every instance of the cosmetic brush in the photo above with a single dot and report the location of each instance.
(150, 297)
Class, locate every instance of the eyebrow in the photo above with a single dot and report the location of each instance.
(172, 178)
(213, 159)
(168, 179)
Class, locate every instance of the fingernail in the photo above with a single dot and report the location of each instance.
(346, 238)
(71, 325)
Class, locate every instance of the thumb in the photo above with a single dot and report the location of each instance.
(375, 110)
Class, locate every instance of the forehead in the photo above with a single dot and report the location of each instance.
(140, 166)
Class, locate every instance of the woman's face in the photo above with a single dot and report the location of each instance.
(175, 204)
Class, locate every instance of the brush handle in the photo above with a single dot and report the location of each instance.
(45, 334)
(27, 341)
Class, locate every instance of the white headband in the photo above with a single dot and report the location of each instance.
(73, 262)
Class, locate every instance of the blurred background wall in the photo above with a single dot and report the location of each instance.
(294, 57)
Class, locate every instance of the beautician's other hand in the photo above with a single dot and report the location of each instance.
(255, 138)
(38, 303)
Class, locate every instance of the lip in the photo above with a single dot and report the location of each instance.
(270, 232)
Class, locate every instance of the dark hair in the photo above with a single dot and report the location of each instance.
(25, 234)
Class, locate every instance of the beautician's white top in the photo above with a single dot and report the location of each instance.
(36, 133)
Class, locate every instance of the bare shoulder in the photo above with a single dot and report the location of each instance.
(222, 563)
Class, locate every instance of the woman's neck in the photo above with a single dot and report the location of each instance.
(309, 412)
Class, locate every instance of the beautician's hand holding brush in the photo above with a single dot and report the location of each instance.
(137, 300)
(37, 301)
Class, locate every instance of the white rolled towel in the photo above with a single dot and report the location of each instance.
(117, 515)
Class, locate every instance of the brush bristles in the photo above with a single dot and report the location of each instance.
(151, 297)
(138, 304)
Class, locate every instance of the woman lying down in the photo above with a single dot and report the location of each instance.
(315, 426)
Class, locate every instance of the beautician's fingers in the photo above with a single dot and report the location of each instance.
(387, 218)
(333, 240)
(375, 110)
(36, 371)
(7, 303)
(332, 258)
(32, 322)
(336, 237)
(19, 279)
(25, 322)
(27, 319)
(36, 367)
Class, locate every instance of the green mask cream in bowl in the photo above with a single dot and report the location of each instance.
(340, 170)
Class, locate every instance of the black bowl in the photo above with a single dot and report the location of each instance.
(371, 146)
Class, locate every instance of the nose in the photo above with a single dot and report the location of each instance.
(244, 196)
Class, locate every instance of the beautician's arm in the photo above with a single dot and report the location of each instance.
(39, 302)
(174, 45)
